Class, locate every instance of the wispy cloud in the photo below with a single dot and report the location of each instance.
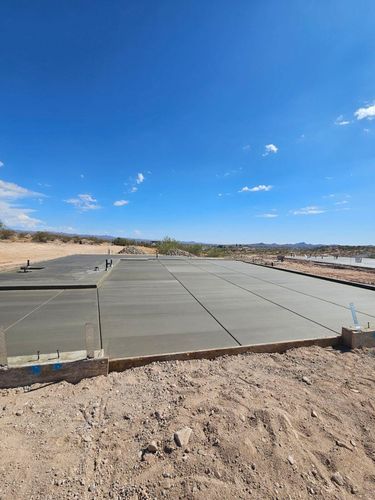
(1, 164)
(134, 189)
(311, 210)
(10, 190)
(367, 112)
(270, 149)
(121, 203)
(11, 213)
(268, 215)
(246, 147)
(343, 202)
(340, 121)
(140, 178)
(261, 187)
(83, 202)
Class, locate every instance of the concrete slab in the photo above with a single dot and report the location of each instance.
(150, 307)
(145, 311)
(74, 270)
(59, 323)
(308, 287)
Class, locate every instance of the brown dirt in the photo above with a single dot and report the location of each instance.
(259, 431)
(16, 253)
(355, 275)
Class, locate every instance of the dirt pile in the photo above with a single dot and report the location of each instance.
(179, 253)
(294, 425)
(132, 250)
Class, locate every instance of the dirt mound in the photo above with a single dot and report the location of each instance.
(265, 426)
(178, 252)
(132, 250)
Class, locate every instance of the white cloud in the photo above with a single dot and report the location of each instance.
(261, 187)
(1, 163)
(13, 214)
(134, 189)
(121, 203)
(270, 149)
(84, 202)
(268, 216)
(343, 202)
(247, 147)
(340, 121)
(312, 210)
(140, 178)
(10, 190)
(18, 217)
(367, 112)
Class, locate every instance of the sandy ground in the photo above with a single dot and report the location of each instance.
(16, 253)
(264, 426)
(355, 275)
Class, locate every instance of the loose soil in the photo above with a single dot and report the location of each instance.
(264, 426)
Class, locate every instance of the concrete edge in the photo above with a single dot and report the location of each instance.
(325, 278)
(122, 364)
(72, 372)
(48, 287)
(63, 286)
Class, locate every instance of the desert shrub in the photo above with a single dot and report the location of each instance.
(6, 234)
(168, 244)
(40, 237)
(216, 252)
(123, 242)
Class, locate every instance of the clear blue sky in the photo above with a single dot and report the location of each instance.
(215, 121)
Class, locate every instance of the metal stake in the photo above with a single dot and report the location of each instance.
(3, 348)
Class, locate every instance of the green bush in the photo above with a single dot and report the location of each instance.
(41, 237)
(168, 244)
(123, 242)
(216, 252)
(6, 234)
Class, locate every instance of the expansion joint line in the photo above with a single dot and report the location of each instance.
(291, 289)
(200, 303)
(268, 300)
(35, 309)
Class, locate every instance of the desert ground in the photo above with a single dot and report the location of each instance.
(264, 426)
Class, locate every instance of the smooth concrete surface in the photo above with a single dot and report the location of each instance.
(166, 305)
(144, 310)
(58, 322)
(66, 271)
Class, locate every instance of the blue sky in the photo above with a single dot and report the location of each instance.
(225, 121)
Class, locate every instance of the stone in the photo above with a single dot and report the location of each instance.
(314, 414)
(306, 380)
(291, 460)
(338, 479)
(152, 447)
(182, 436)
(341, 444)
